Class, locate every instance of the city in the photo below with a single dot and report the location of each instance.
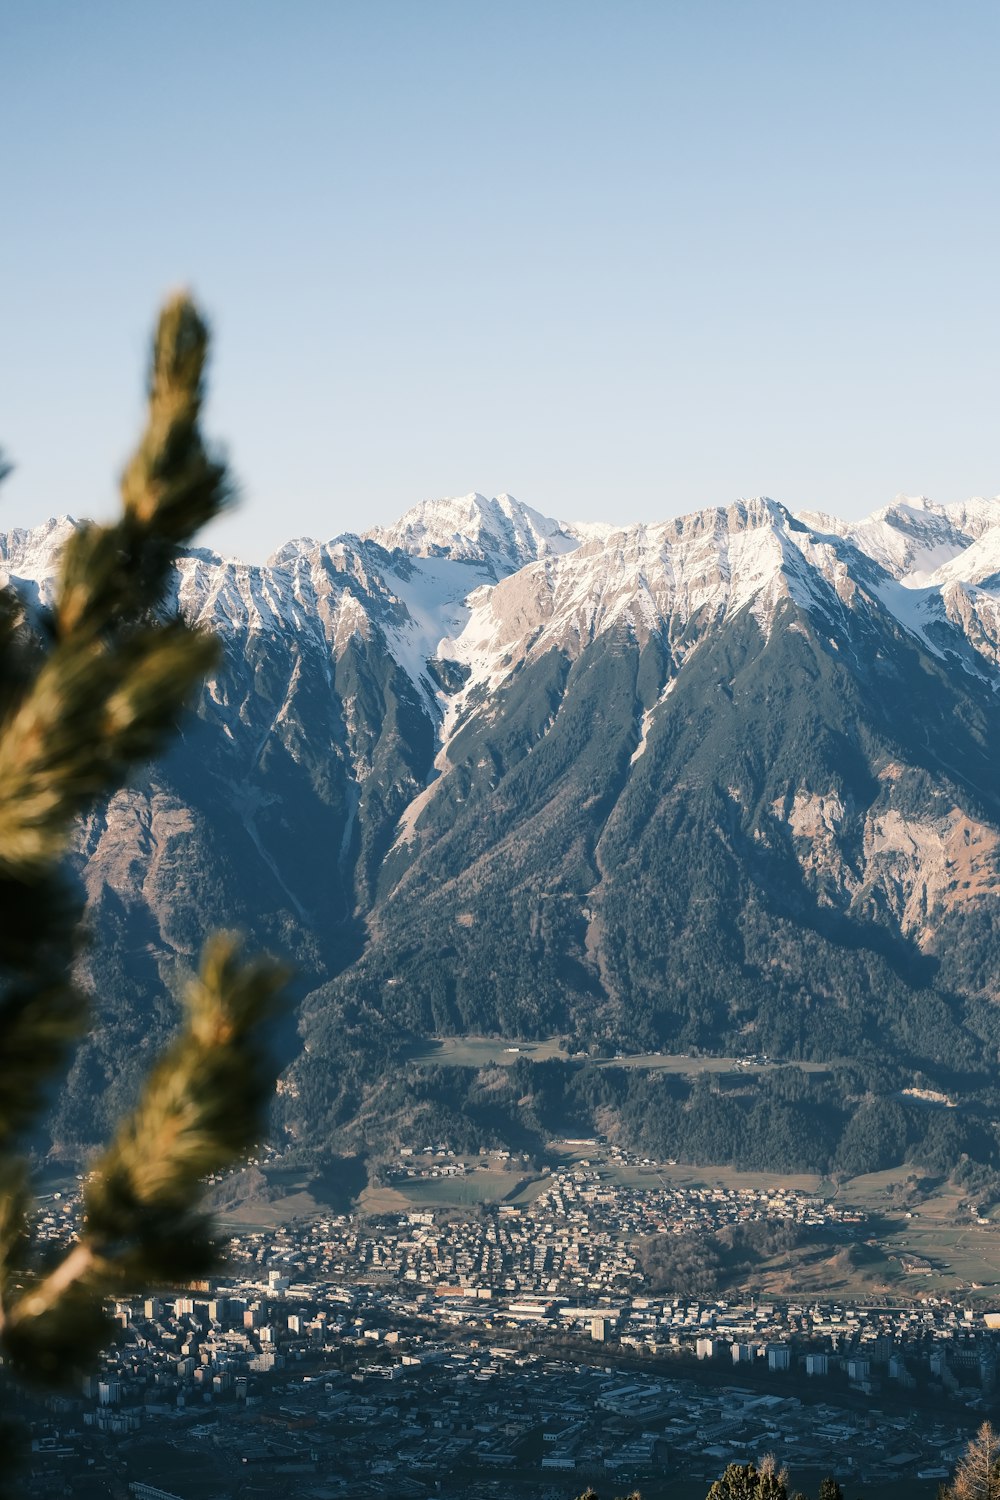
(431, 1350)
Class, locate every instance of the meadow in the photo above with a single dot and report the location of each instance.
(482, 1051)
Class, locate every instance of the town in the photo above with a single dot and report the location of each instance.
(424, 1351)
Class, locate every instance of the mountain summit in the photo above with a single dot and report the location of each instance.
(501, 532)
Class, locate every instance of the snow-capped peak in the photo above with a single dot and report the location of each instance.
(913, 537)
(978, 564)
(648, 578)
(32, 557)
(471, 528)
(487, 582)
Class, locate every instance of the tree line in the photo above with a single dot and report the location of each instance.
(976, 1477)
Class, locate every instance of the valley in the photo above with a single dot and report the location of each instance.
(431, 1348)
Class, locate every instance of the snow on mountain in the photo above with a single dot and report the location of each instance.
(589, 531)
(942, 556)
(32, 557)
(703, 568)
(979, 564)
(501, 532)
(578, 580)
(333, 591)
(310, 587)
(438, 553)
(487, 582)
(973, 517)
(969, 589)
(913, 537)
(433, 592)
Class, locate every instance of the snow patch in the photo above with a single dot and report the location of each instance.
(647, 721)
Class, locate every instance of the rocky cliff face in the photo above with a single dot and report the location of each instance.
(730, 775)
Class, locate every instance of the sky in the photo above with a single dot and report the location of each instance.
(622, 260)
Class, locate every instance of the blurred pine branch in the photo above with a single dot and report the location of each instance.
(88, 690)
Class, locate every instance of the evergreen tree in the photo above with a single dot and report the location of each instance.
(89, 688)
(590, 1494)
(748, 1482)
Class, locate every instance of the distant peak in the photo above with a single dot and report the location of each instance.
(500, 531)
(759, 508)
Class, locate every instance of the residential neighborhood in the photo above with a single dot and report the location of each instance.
(437, 1349)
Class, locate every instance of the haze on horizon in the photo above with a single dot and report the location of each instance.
(620, 261)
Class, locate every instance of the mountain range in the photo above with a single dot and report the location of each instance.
(723, 784)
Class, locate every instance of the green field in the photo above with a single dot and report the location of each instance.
(682, 1174)
(681, 1062)
(913, 1214)
(483, 1051)
(483, 1185)
(477, 1187)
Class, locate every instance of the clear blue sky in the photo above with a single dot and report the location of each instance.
(620, 259)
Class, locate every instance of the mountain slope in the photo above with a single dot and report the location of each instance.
(723, 782)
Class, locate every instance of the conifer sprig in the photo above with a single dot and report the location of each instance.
(111, 683)
(201, 1107)
(86, 691)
